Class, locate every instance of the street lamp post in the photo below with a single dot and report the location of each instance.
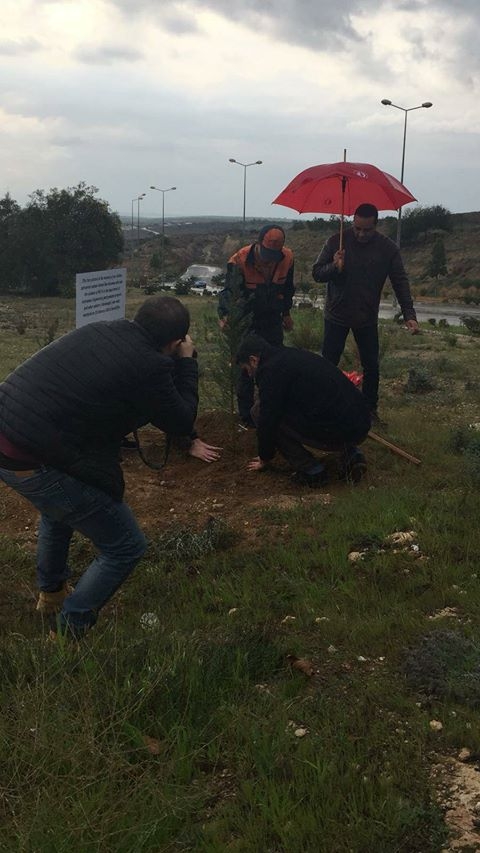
(245, 167)
(138, 200)
(162, 262)
(406, 110)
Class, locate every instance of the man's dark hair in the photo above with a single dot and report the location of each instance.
(366, 211)
(164, 318)
(251, 345)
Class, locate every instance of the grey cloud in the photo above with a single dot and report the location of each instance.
(107, 54)
(410, 5)
(325, 26)
(9, 47)
(67, 141)
(418, 48)
(179, 24)
(170, 15)
(466, 6)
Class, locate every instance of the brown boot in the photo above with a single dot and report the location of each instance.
(51, 602)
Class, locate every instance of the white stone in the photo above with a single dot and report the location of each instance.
(149, 620)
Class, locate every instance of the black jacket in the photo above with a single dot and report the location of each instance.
(353, 295)
(70, 404)
(302, 387)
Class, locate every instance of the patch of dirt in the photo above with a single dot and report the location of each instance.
(187, 492)
(458, 788)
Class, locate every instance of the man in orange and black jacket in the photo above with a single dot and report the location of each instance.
(258, 291)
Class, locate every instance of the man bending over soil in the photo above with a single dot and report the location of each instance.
(63, 414)
(304, 400)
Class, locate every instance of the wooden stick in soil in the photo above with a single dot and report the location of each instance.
(393, 447)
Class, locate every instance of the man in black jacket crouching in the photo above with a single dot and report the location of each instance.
(63, 414)
(304, 400)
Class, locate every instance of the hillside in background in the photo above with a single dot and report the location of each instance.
(213, 240)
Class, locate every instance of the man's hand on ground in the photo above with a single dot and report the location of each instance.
(413, 327)
(206, 452)
(223, 322)
(287, 323)
(256, 465)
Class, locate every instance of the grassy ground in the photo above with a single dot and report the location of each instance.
(190, 730)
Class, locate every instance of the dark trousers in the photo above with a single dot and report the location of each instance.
(366, 339)
(246, 385)
(295, 435)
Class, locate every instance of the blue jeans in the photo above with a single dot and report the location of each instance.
(66, 504)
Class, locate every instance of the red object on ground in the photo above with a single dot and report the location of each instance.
(356, 378)
(320, 189)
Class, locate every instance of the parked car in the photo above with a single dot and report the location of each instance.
(199, 288)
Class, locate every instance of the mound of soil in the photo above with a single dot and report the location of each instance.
(187, 492)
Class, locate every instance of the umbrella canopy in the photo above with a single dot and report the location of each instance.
(341, 188)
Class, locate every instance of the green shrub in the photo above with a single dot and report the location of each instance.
(450, 340)
(445, 664)
(465, 440)
(307, 332)
(419, 381)
(472, 324)
(180, 545)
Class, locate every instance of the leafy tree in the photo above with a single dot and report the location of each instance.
(9, 211)
(57, 235)
(420, 220)
(471, 323)
(438, 260)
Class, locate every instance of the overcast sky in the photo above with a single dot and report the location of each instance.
(127, 93)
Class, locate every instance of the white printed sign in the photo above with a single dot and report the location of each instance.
(100, 296)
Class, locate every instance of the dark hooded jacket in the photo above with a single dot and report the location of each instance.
(311, 394)
(70, 404)
(353, 295)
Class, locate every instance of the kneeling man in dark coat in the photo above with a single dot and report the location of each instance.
(304, 401)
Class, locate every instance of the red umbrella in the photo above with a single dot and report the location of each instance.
(341, 188)
(334, 187)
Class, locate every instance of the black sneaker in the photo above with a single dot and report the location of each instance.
(353, 465)
(314, 477)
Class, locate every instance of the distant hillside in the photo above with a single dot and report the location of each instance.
(212, 241)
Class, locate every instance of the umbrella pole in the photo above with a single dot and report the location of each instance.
(344, 183)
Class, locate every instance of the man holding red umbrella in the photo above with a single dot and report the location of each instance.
(355, 276)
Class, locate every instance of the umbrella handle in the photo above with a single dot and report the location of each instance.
(344, 184)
